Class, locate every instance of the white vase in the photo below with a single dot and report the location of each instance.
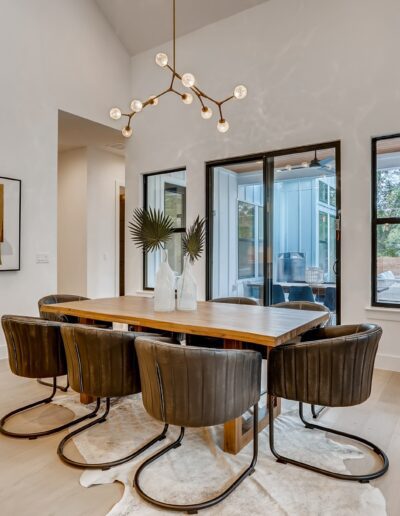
(164, 290)
(187, 288)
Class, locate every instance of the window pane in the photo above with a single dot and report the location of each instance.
(323, 240)
(237, 230)
(246, 233)
(388, 263)
(323, 192)
(174, 204)
(332, 196)
(167, 192)
(388, 192)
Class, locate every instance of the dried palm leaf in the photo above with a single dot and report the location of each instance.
(150, 229)
(193, 240)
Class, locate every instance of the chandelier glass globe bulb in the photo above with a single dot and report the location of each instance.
(127, 131)
(115, 113)
(223, 126)
(187, 98)
(188, 80)
(240, 92)
(206, 112)
(162, 59)
(136, 105)
(153, 100)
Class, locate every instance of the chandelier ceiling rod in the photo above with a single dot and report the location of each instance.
(188, 81)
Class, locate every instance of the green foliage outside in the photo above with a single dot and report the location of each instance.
(388, 205)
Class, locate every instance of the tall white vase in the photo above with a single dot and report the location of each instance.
(187, 288)
(164, 290)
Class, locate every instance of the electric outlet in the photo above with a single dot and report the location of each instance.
(42, 258)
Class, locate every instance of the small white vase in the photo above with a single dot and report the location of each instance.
(187, 288)
(164, 290)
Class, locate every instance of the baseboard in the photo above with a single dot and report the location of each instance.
(3, 352)
(387, 362)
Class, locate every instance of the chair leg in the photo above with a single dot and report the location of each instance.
(316, 413)
(194, 508)
(48, 384)
(35, 435)
(341, 476)
(103, 465)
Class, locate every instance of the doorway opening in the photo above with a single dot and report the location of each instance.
(91, 208)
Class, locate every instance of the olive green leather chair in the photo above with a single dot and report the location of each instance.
(103, 364)
(197, 387)
(333, 367)
(35, 350)
(313, 307)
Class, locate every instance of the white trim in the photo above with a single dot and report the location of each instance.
(387, 362)
(145, 293)
(3, 352)
(118, 184)
(377, 313)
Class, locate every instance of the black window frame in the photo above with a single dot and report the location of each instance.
(145, 206)
(377, 221)
(267, 159)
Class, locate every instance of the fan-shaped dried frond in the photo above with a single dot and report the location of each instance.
(150, 229)
(193, 240)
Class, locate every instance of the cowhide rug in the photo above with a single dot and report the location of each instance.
(199, 468)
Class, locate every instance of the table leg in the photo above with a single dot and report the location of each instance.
(85, 399)
(238, 433)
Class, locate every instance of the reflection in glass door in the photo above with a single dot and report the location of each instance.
(237, 230)
(304, 228)
(273, 227)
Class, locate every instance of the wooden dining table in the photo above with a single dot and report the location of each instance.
(265, 327)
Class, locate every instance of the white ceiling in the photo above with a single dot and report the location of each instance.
(145, 24)
(75, 132)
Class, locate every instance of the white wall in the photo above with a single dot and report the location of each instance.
(71, 222)
(316, 71)
(54, 54)
(104, 170)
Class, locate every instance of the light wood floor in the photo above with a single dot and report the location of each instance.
(34, 482)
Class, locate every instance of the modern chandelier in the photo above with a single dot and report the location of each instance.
(188, 81)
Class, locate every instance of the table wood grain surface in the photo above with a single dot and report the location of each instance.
(267, 326)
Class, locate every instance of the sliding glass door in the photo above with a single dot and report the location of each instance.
(237, 249)
(274, 226)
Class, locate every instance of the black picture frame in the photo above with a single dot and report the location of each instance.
(18, 267)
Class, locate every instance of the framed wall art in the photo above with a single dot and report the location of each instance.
(10, 224)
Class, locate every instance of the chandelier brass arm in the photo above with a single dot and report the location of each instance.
(188, 81)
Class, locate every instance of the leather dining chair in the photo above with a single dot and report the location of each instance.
(35, 350)
(53, 299)
(197, 387)
(236, 300)
(333, 367)
(304, 305)
(314, 307)
(102, 363)
(301, 293)
(278, 294)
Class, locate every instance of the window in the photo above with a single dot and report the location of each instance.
(247, 240)
(386, 221)
(323, 192)
(166, 191)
